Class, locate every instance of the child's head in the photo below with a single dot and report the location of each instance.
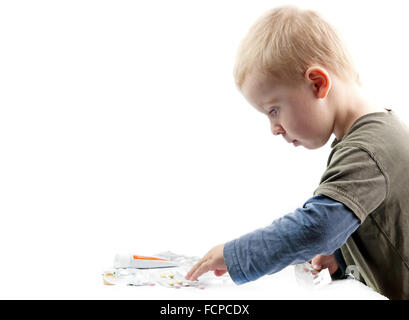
(286, 41)
(294, 57)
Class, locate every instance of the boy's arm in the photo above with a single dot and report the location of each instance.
(321, 226)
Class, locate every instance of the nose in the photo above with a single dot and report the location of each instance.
(277, 129)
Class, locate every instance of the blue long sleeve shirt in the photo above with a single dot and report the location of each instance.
(321, 226)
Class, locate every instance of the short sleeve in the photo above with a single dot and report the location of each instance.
(354, 178)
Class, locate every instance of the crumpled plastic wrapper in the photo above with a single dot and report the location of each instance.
(309, 278)
(173, 277)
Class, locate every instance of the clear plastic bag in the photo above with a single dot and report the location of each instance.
(310, 278)
(170, 277)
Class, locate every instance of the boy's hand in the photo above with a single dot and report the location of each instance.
(322, 261)
(212, 261)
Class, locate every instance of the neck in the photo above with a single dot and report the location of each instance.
(350, 105)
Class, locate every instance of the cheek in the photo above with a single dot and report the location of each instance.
(305, 129)
(306, 117)
(311, 130)
(301, 124)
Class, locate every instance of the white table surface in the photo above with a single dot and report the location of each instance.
(88, 284)
(281, 285)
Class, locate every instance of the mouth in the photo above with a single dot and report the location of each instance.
(295, 143)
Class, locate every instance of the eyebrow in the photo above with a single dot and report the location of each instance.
(271, 101)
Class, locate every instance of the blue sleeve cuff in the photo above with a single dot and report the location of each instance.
(232, 263)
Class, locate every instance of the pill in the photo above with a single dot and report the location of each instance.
(201, 287)
(151, 284)
(171, 275)
(163, 275)
(171, 283)
(179, 281)
(177, 286)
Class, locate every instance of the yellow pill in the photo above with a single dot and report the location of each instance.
(163, 275)
(171, 283)
(171, 275)
(179, 281)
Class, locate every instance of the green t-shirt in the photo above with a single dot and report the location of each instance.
(368, 171)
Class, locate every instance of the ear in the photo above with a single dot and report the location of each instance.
(320, 81)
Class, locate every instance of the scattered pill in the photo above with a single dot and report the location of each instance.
(177, 286)
(151, 284)
(179, 281)
(201, 287)
(171, 283)
(171, 275)
(163, 275)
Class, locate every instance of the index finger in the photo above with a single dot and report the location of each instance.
(202, 268)
(194, 268)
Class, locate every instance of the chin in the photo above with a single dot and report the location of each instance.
(313, 146)
(310, 147)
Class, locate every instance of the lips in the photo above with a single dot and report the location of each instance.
(295, 143)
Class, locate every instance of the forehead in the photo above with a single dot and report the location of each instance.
(259, 88)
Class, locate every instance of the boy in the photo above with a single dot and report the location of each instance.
(293, 67)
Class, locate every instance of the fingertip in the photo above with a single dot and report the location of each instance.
(188, 275)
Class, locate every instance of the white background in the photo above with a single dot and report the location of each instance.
(121, 131)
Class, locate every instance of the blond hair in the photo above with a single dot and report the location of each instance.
(286, 41)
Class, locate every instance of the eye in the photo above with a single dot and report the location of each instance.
(273, 111)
